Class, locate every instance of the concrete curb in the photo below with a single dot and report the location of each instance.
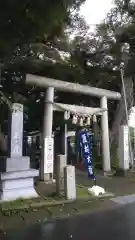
(106, 195)
(53, 203)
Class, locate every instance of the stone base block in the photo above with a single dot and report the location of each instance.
(16, 184)
(21, 193)
(47, 177)
(19, 174)
(14, 164)
(19, 184)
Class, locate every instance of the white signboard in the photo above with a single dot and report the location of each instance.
(48, 155)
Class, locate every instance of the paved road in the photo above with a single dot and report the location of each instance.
(116, 224)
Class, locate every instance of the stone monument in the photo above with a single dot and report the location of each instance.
(123, 150)
(69, 182)
(16, 177)
(60, 164)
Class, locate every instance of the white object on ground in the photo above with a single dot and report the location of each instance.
(96, 190)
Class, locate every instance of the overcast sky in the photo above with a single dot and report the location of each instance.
(95, 11)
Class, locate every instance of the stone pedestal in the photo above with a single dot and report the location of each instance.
(123, 150)
(69, 182)
(61, 162)
(16, 179)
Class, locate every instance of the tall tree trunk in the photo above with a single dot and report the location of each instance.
(120, 115)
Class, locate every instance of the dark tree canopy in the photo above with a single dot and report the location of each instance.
(29, 21)
(39, 33)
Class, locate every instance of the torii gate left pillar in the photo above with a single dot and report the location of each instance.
(47, 129)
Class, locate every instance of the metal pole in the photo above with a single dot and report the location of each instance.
(125, 49)
(126, 113)
(95, 128)
(65, 141)
(105, 137)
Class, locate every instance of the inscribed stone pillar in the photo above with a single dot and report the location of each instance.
(60, 164)
(69, 182)
(16, 130)
(123, 150)
(61, 140)
(64, 139)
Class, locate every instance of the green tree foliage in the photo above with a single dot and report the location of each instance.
(30, 21)
(30, 31)
(59, 44)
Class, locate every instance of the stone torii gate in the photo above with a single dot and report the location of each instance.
(103, 94)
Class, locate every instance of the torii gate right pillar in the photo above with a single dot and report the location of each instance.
(105, 137)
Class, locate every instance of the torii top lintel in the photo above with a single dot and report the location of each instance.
(45, 82)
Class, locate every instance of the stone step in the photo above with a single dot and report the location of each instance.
(19, 174)
(16, 183)
(21, 193)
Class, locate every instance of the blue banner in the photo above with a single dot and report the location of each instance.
(86, 141)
